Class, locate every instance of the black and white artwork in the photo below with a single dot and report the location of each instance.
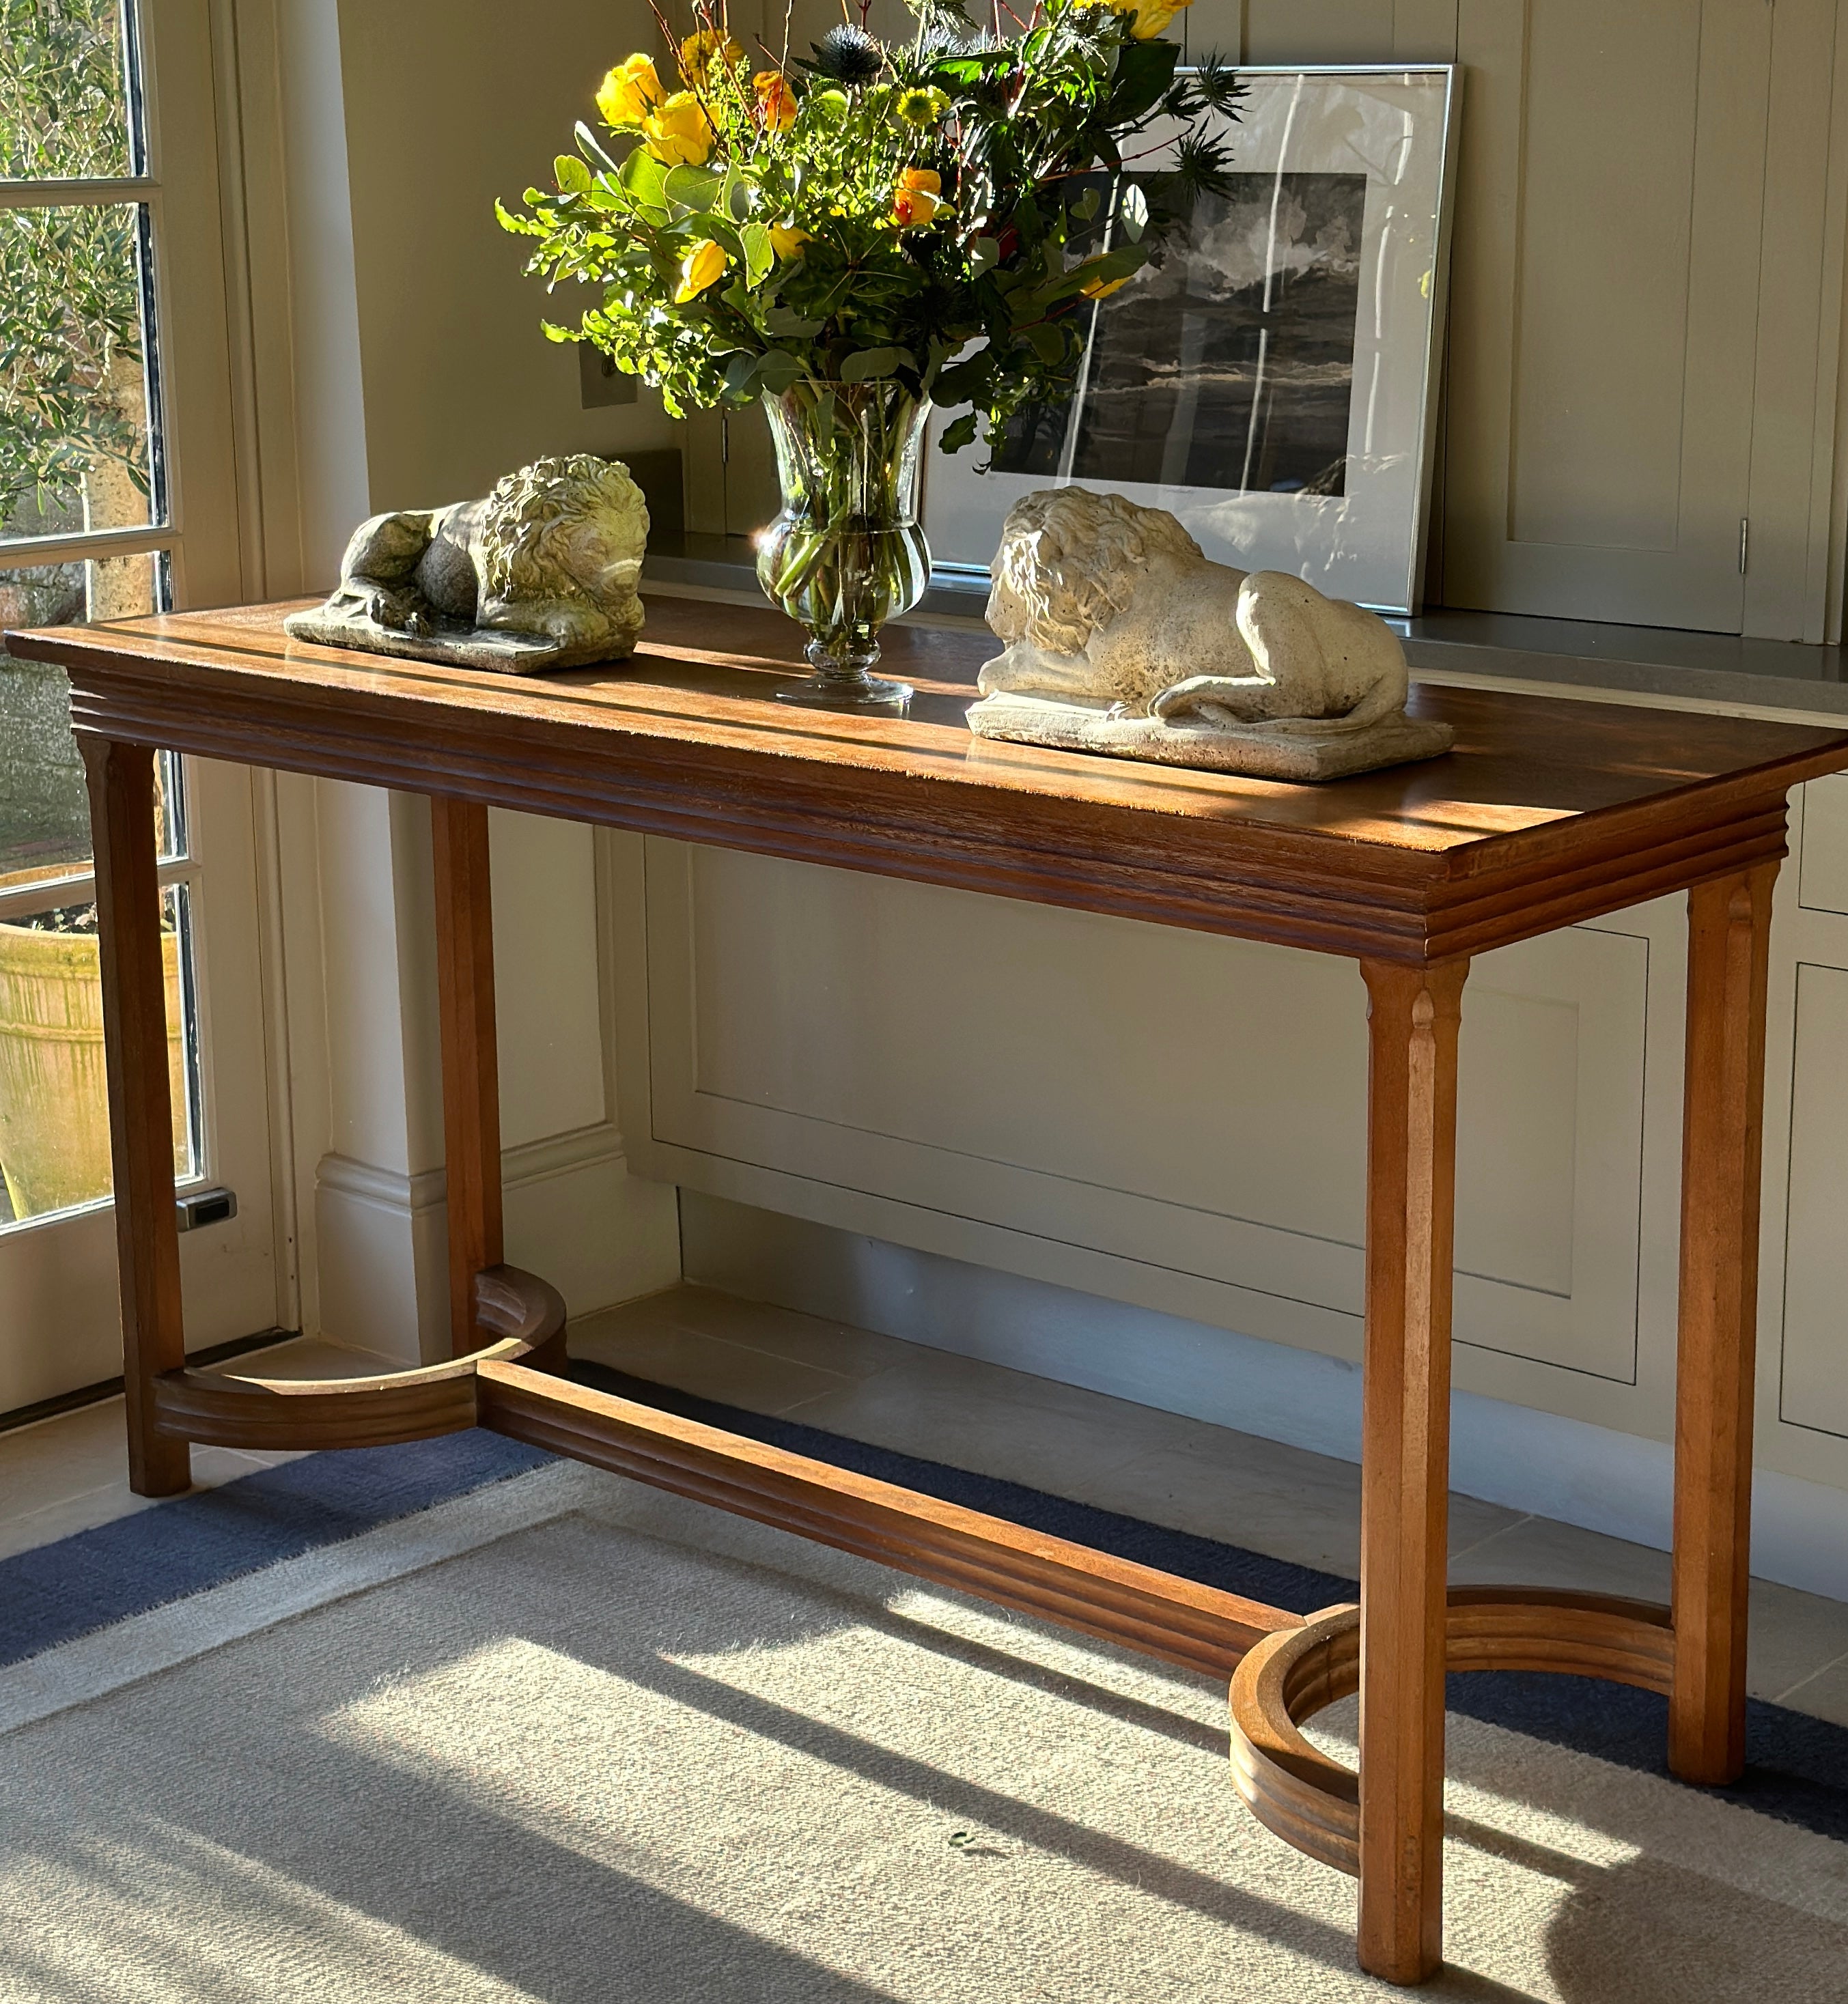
(1272, 381)
(1231, 364)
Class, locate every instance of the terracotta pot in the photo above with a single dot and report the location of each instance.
(53, 1091)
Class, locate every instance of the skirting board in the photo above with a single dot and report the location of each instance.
(574, 1215)
(1538, 1463)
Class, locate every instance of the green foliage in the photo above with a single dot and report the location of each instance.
(935, 221)
(69, 290)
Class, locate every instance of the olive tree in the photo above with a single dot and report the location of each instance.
(71, 344)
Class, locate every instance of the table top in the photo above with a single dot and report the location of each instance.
(1549, 810)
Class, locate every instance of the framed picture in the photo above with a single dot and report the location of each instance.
(1273, 382)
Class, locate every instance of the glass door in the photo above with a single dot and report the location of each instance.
(117, 497)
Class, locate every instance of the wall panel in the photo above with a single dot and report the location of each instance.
(1177, 1101)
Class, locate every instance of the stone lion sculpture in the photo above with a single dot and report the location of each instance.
(542, 573)
(1122, 636)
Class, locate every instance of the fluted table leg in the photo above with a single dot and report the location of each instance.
(1413, 1017)
(1729, 932)
(141, 1113)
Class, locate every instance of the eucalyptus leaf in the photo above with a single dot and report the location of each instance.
(1048, 340)
(690, 187)
(572, 176)
(777, 371)
(874, 365)
(760, 253)
(785, 324)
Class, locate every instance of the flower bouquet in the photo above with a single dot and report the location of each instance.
(858, 235)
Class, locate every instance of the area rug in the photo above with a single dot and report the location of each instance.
(458, 1722)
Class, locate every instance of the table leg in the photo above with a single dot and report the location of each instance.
(1729, 932)
(471, 1061)
(141, 1114)
(1413, 1017)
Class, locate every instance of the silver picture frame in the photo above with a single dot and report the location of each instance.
(1274, 382)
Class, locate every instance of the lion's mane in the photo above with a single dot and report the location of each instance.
(1069, 562)
(531, 516)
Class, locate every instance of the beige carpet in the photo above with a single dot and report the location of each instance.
(569, 1740)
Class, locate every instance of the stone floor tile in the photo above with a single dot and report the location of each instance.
(829, 1346)
(1539, 1551)
(1822, 1696)
(52, 1460)
(969, 1416)
(212, 1467)
(707, 1366)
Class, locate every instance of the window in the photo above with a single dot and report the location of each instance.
(85, 532)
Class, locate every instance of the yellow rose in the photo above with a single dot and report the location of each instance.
(704, 265)
(1147, 18)
(680, 133)
(699, 52)
(776, 101)
(915, 201)
(785, 239)
(629, 92)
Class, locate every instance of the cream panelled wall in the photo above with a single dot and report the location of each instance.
(397, 361)
(1646, 297)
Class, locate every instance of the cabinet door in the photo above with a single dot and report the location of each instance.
(1604, 301)
(1159, 1116)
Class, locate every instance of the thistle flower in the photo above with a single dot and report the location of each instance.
(1202, 166)
(629, 94)
(704, 265)
(849, 55)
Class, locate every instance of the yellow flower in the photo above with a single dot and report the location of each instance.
(915, 200)
(704, 265)
(680, 133)
(785, 239)
(699, 52)
(629, 92)
(775, 100)
(1147, 18)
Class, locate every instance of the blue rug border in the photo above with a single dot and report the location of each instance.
(1796, 1766)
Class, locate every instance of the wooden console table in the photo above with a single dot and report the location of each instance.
(1548, 812)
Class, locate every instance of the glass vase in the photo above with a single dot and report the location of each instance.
(847, 551)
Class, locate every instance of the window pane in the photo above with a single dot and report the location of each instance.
(44, 812)
(54, 1096)
(65, 100)
(75, 382)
